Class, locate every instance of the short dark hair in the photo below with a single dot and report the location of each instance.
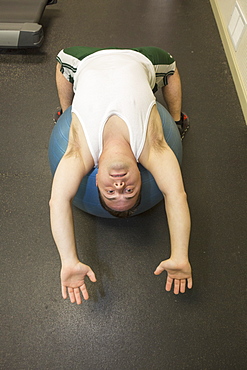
(120, 214)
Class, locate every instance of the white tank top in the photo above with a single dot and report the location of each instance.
(114, 82)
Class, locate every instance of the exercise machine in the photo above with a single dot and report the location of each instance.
(19, 23)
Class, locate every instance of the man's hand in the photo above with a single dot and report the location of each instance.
(72, 278)
(178, 274)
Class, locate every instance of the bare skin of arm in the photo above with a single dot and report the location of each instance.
(159, 159)
(70, 171)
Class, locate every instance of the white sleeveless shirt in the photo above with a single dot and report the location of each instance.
(114, 82)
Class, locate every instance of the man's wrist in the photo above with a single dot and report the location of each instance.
(180, 259)
(69, 261)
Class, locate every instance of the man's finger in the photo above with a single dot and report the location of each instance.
(189, 283)
(64, 292)
(182, 285)
(77, 294)
(158, 270)
(71, 295)
(84, 292)
(176, 286)
(169, 282)
(91, 276)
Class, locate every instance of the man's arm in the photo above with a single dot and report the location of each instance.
(67, 178)
(178, 216)
(163, 165)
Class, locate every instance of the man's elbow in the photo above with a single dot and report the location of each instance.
(184, 195)
(57, 201)
(52, 202)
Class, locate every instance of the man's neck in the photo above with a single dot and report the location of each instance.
(116, 144)
(115, 130)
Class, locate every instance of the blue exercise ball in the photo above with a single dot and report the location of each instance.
(87, 198)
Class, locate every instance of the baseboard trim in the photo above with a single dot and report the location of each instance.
(230, 54)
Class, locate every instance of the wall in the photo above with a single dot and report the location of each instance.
(237, 58)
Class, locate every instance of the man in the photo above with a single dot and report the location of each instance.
(123, 129)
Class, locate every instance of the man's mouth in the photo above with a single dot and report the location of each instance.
(118, 175)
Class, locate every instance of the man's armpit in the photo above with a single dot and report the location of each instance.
(74, 145)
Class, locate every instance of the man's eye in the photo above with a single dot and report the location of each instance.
(110, 191)
(129, 191)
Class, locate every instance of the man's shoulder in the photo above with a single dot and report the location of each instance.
(80, 52)
(156, 55)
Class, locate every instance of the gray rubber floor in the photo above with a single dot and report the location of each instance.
(130, 322)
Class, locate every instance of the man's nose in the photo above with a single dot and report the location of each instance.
(119, 184)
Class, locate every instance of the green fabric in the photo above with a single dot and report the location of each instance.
(154, 54)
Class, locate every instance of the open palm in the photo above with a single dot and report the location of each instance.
(72, 281)
(178, 274)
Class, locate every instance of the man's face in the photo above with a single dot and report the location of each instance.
(119, 185)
